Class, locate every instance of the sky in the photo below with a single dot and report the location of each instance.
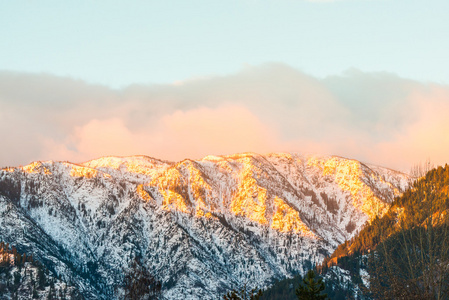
(364, 79)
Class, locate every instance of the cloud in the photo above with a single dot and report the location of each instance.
(223, 130)
(374, 117)
(192, 133)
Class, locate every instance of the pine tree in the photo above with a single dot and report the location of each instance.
(243, 294)
(310, 288)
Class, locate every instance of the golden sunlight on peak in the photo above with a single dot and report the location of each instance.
(200, 214)
(250, 199)
(78, 171)
(142, 193)
(244, 155)
(213, 158)
(132, 164)
(253, 202)
(347, 174)
(286, 219)
(280, 155)
(176, 191)
(36, 167)
(171, 199)
(108, 161)
(209, 216)
(175, 201)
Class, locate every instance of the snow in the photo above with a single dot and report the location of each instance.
(365, 277)
(240, 218)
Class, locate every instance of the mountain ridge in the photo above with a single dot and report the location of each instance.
(201, 226)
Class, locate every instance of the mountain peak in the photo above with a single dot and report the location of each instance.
(234, 217)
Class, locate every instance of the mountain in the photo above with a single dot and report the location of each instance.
(23, 278)
(201, 227)
(403, 254)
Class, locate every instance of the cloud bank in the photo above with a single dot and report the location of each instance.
(378, 118)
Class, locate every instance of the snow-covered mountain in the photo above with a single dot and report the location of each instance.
(200, 226)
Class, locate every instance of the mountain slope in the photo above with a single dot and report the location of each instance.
(403, 254)
(201, 227)
(21, 277)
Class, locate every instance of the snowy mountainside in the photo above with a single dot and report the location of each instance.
(200, 226)
(23, 278)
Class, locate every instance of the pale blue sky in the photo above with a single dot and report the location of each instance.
(118, 43)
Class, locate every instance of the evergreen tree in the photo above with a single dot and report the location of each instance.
(310, 288)
(243, 294)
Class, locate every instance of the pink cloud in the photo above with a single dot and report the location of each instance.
(425, 138)
(223, 130)
(378, 118)
(193, 133)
